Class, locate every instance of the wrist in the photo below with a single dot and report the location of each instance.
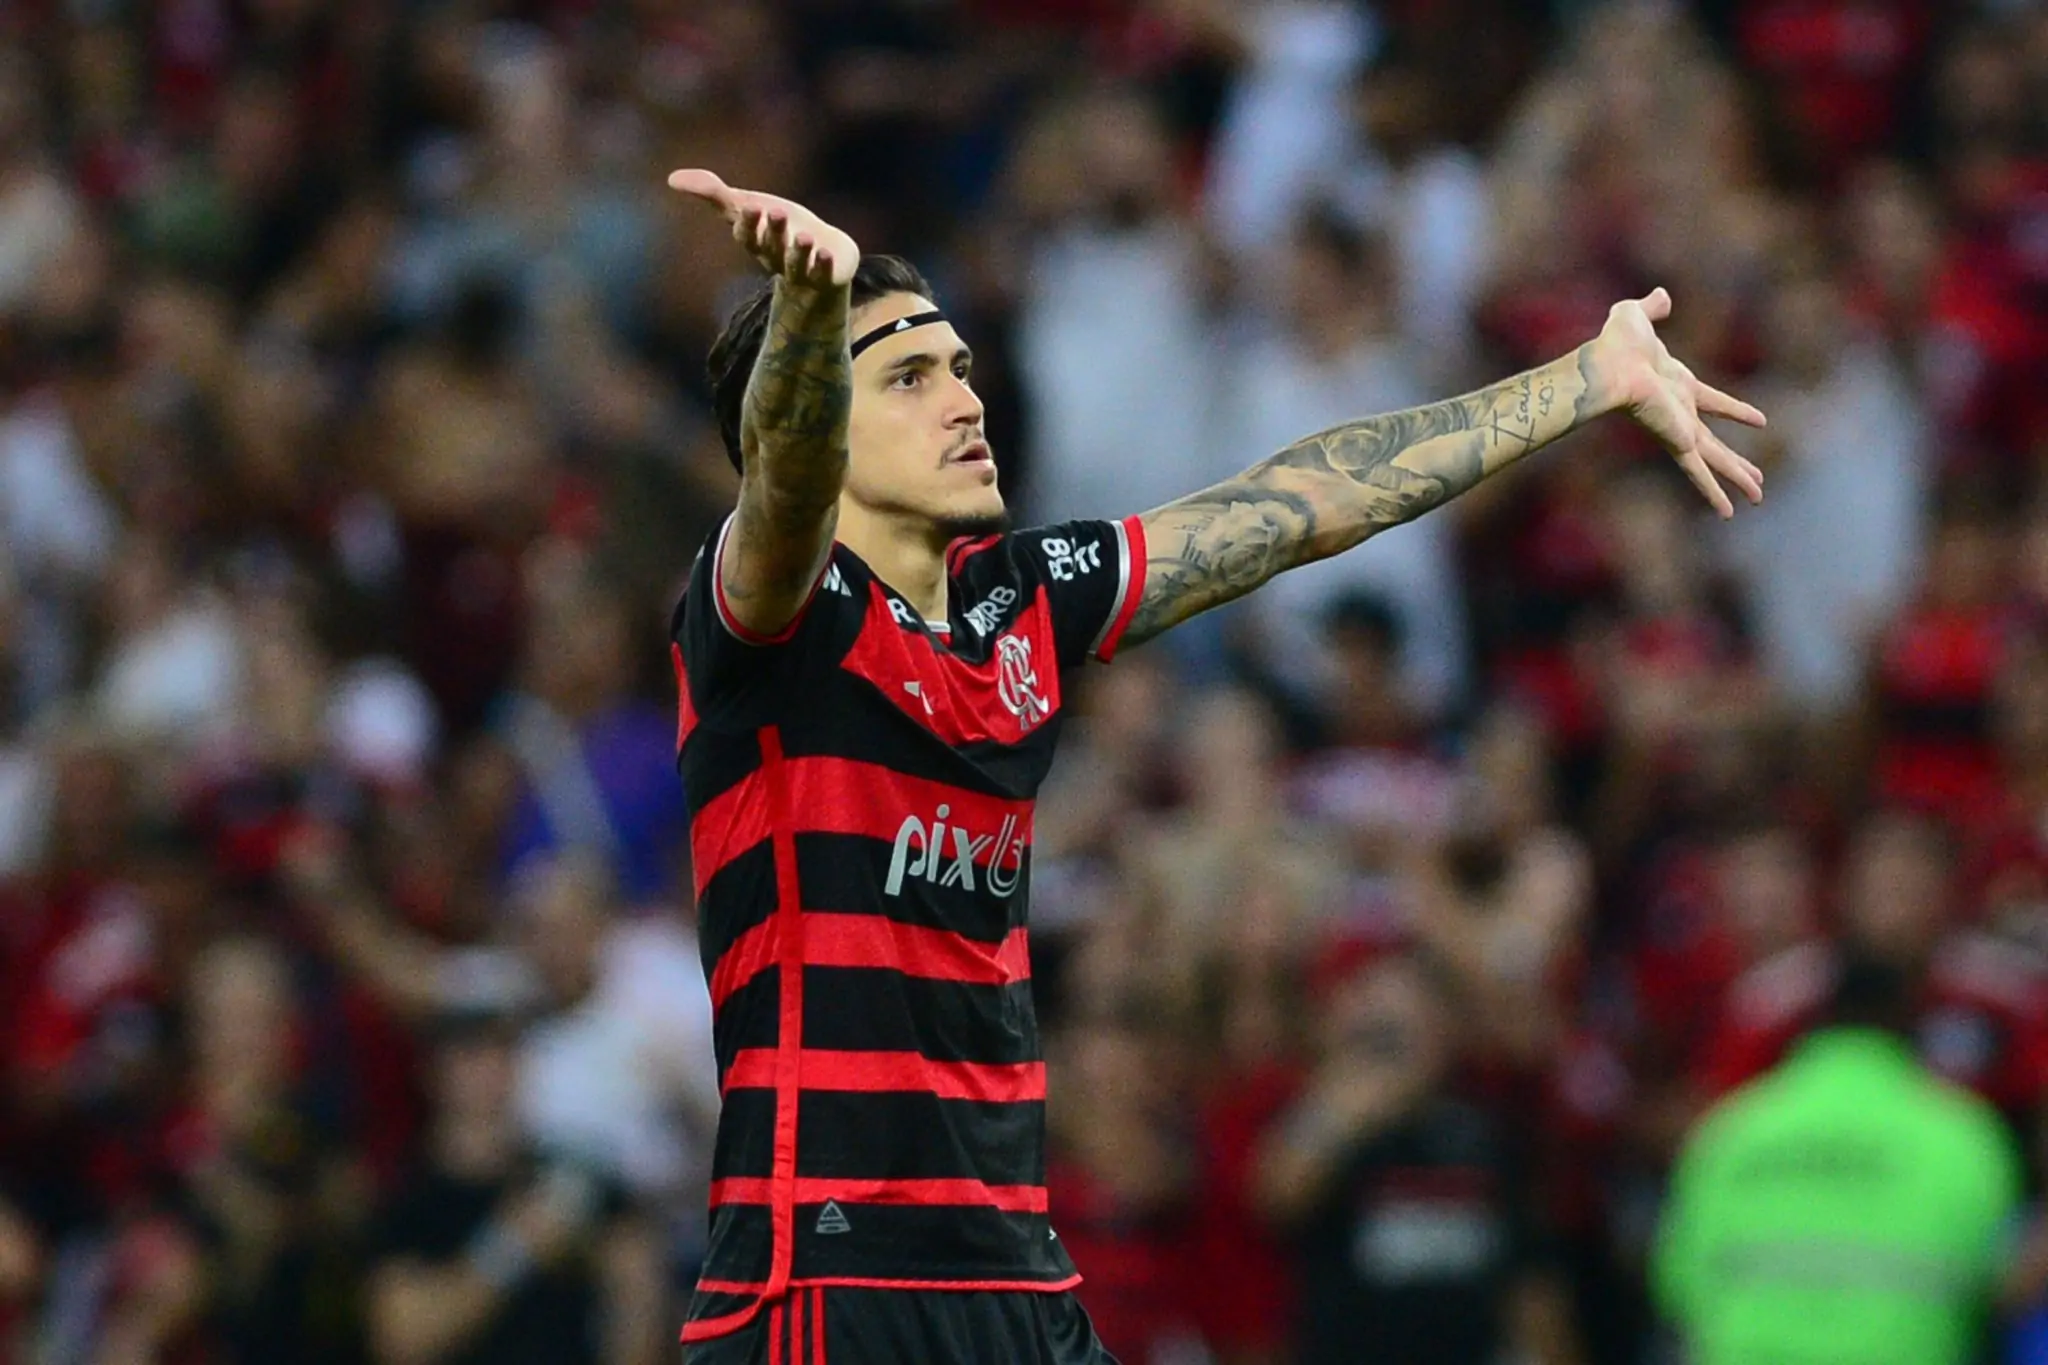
(1592, 366)
(811, 300)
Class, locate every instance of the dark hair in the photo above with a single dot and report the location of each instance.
(1871, 993)
(731, 362)
(1366, 617)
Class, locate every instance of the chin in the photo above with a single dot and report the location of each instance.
(984, 517)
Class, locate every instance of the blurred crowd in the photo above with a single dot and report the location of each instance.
(354, 445)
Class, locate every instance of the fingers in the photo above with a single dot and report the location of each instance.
(1695, 467)
(1731, 466)
(1714, 403)
(1656, 304)
(1679, 428)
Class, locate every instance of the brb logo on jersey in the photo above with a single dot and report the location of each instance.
(920, 854)
(1017, 682)
(984, 616)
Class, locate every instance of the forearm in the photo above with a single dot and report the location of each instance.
(793, 436)
(1300, 1159)
(1328, 492)
(419, 1315)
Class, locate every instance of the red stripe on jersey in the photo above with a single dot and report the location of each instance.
(923, 1193)
(752, 953)
(833, 940)
(1134, 589)
(841, 796)
(895, 1073)
(963, 549)
(957, 1286)
(686, 714)
(790, 1027)
(861, 1282)
(1000, 700)
(775, 1335)
(817, 1327)
(796, 1329)
(728, 825)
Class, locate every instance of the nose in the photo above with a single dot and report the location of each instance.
(964, 407)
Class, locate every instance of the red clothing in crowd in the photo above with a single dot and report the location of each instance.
(1936, 671)
(1838, 68)
(1135, 1262)
(1982, 1020)
(1234, 1245)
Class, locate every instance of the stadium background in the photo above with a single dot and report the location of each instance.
(353, 444)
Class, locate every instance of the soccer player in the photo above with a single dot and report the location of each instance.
(869, 668)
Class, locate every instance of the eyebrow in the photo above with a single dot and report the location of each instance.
(922, 360)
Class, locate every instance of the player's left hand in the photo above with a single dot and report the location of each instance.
(1631, 371)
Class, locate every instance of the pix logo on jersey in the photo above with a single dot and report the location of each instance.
(919, 853)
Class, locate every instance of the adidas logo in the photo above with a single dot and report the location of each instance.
(831, 1220)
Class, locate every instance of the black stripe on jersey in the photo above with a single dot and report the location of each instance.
(907, 1136)
(746, 1137)
(845, 874)
(740, 1235)
(716, 762)
(751, 1017)
(883, 735)
(874, 1009)
(739, 896)
(888, 1240)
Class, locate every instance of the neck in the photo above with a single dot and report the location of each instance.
(907, 553)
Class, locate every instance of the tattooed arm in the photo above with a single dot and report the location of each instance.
(793, 426)
(1330, 491)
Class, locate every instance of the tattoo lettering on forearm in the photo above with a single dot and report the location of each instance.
(800, 397)
(794, 429)
(1327, 492)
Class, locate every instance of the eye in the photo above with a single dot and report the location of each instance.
(909, 379)
(963, 370)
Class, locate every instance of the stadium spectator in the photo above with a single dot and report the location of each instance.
(1412, 1230)
(491, 1252)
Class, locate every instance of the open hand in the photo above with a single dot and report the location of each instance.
(787, 239)
(1632, 371)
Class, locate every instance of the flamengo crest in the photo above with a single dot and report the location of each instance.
(1017, 682)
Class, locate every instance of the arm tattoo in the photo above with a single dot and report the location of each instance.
(794, 432)
(1330, 491)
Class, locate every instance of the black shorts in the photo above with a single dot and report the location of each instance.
(829, 1326)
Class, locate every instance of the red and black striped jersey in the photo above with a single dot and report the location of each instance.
(861, 790)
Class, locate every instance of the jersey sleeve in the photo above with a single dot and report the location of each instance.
(734, 678)
(1093, 573)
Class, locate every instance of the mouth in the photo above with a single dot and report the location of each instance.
(974, 455)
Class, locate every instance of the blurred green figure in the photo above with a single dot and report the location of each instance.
(1848, 1208)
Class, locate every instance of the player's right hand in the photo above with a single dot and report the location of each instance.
(787, 239)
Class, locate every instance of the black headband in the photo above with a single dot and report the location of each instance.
(889, 329)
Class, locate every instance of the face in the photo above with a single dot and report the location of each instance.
(1767, 881)
(566, 914)
(241, 1006)
(476, 1076)
(1391, 1012)
(915, 440)
(1897, 888)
